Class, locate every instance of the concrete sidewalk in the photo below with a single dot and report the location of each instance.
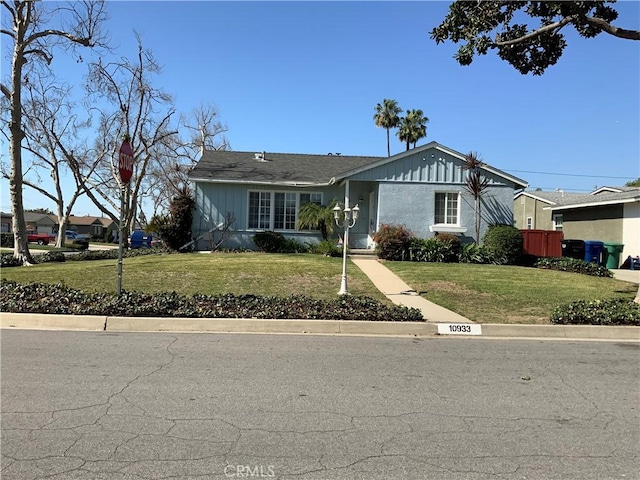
(401, 294)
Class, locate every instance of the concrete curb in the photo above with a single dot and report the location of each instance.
(311, 327)
(52, 322)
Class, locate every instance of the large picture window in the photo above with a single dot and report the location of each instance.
(277, 210)
(446, 211)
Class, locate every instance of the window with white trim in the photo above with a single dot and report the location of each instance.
(557, 222)
(446, 211)
(277, 210)
(529, 223)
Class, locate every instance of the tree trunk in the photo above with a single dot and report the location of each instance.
(388, 145)
(18, 224)
(478, 220)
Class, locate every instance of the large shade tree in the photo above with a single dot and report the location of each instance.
(387, 117)
(35, 29)
(412, 127)
(500, 26)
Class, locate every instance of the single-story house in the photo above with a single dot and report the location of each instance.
(608, 214)
(94, 227)
(422, 189)
(40, 222)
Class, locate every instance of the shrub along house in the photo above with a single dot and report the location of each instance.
(422, 189)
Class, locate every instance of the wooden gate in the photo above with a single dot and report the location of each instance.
(542, 243)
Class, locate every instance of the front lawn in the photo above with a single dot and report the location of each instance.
(505, 294)
(262, 274)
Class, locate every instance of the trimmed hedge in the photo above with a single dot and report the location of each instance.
(7, 260)
(568, 264)
(59, 299)
(275, 242)
(598, 312)
(504, 244)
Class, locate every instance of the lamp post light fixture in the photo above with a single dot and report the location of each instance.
(349, 220)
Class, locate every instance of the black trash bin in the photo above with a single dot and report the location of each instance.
(573, 249)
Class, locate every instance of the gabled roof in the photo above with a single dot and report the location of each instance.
(273, 168)
(629, 195)
(555, 198)
(302, 169)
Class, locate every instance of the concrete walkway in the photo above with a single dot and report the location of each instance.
(400, 293)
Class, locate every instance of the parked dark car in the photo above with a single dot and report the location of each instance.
(140, 239)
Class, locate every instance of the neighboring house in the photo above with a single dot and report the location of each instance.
(40, 222)
(422, 189)
(93, 227)
(531, 213)
(609, 214)
(5, 222)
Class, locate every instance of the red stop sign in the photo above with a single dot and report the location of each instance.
(125, 162)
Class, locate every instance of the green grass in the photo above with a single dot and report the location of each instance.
(505, 294)
(240, 273)
(482, 293)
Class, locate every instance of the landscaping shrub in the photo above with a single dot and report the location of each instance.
(51, 256)
(473, 253)
(7, 260)
(6, 240)
(57, 256)
(598, 312)
(175, 229)
(504, 244)
(275, 242)
(59, 299)
(568, 264)
(327, 248)
(270, 242)
(433, 250)
(393, 242)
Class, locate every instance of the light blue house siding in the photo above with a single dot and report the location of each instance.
(401, 190)
(413, 205)
(215, 200)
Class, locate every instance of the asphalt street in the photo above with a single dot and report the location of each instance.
(102, 405)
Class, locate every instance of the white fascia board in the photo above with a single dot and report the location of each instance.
(535, 197)
(253, 182)
(592, 204)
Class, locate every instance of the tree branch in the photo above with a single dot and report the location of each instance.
(536, 33)
(613, 30)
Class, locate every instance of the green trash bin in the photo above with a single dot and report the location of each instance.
(612, 253)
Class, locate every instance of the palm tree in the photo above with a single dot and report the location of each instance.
(475, 184)
(386, 116)
(316, 216)
(412, 127)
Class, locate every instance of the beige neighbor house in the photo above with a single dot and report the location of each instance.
(96, 228)
(608, 214)
(531, 209)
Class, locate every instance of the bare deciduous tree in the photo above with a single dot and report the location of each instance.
(34, 37)
(141, 111)
(52, 133)
(199, 131)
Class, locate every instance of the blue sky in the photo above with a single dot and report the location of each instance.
(304, 77)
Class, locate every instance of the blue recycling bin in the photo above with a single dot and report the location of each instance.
(593, 251)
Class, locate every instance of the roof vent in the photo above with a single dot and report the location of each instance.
(260, 156)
